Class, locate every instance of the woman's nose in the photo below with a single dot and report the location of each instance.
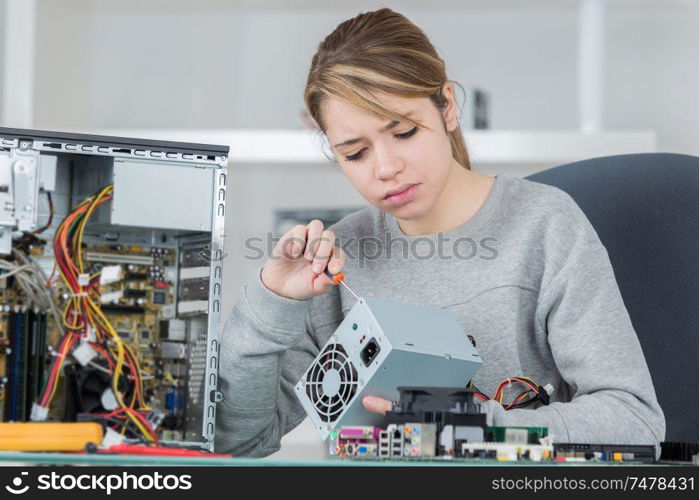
(387, 165)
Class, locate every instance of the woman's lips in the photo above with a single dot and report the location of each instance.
(408, 194)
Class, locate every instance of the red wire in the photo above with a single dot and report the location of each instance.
(516, 400)
(146, 424)
(104, 353)
(508, 381)
(68, 340)
(524, 382)
(62, 262)
(64, 246)
(137, 380)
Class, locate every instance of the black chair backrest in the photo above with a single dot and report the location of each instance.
(645, 209)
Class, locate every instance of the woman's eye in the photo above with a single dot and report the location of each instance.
(356, 156)
(408, 134)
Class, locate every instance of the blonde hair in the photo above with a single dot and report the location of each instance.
(379, 51)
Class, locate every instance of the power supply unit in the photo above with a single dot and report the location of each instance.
(110, 283)
(379, 346)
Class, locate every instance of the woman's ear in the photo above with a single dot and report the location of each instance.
(449, 112)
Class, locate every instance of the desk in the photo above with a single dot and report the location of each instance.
(12, 458)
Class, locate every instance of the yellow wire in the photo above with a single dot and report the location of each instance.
(119, 366)
(58, 371)
(139, 371)
(105, 322)
(83, 222)
(99, 316)
(71, 300)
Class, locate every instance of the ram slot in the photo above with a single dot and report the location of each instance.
(30, 339)
(14, 371)
(41, 363)
(27, 319)
(36, 359)
(8, 369)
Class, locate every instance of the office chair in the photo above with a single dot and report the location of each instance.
(645, 209)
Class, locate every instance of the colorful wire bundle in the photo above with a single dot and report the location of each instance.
(83, 319)
(533, 392)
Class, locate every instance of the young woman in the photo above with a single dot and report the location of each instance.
(517, 261)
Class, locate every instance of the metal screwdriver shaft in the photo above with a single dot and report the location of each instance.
(339, 279)
(350, 290)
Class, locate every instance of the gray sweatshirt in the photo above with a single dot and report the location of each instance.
(527, 277)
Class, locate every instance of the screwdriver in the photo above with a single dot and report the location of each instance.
(339, 279)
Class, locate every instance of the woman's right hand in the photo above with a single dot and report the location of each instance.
(297, 267)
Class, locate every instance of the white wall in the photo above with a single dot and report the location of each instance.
(210, 65)
(652, 80)
(2, 49)
(232, 67)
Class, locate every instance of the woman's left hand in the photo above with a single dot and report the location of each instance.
(377, 405)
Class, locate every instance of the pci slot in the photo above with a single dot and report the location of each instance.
(140, 260)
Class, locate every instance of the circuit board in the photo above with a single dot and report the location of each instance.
(433, 442)
(139, 303)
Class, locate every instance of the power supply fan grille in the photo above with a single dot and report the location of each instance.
(331, 383)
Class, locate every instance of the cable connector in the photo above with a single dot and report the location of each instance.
(111, 438)
(545, 393)
(39, 413)
(110, 274)
(83, 354)
(111, 297)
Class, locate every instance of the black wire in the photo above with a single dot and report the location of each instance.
(48, 223)
(29, 238)
(541, 395)
(476, 390)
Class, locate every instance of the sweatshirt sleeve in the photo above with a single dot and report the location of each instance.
(265, 348)
(596, 351)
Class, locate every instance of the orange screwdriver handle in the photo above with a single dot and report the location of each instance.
(337, 279)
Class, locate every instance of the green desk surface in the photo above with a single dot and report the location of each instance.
(8, 458)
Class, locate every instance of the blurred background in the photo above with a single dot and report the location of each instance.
(546, 82)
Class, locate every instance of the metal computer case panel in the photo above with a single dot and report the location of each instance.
(146, 153)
